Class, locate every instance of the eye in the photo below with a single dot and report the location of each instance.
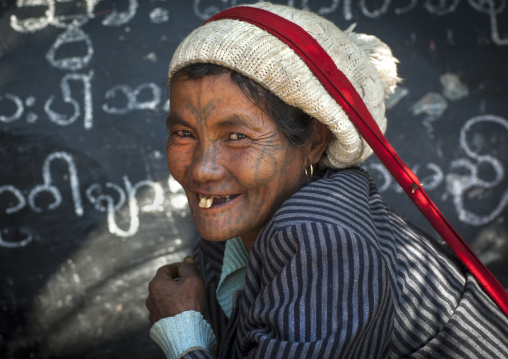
(236, 136)
(183, 133)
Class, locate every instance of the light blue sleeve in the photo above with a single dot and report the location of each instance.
(182, 333)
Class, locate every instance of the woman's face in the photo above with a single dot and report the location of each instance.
(234, 164)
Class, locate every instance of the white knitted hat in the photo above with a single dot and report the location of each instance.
(365, 60)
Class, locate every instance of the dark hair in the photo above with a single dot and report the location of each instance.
(291, 121)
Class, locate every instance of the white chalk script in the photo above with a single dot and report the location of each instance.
(457, 183)
(378, 9)
(112, 203)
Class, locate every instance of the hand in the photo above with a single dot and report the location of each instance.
(175, 288)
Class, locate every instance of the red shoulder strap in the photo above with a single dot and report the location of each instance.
(339, 87)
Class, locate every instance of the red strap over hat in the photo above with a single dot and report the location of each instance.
(339, 87)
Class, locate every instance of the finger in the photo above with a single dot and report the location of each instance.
(169, 270)
(148, 305)
(188, 268)
(151, 318)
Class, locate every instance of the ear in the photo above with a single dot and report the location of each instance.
(320, 135)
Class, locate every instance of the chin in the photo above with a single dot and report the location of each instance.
(214, 237)
(208, 231)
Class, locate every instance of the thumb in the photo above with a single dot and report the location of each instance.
(188, 268)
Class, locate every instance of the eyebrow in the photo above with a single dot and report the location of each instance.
(175, 119)
(239, 120)
(233, 120)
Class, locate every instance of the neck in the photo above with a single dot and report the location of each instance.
(249, 239)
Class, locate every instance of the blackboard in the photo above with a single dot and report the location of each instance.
(88, 210)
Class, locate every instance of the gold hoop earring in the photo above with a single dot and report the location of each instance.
(309, 178)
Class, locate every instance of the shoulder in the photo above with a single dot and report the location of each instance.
(340, 198)
(325, 214)
(335, 184)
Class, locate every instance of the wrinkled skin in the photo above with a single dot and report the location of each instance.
(169, 297)
(222, 144)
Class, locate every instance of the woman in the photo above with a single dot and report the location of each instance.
(314, 264)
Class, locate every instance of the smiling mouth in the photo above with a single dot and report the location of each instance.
(209, 201)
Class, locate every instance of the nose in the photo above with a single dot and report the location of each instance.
(206, 165)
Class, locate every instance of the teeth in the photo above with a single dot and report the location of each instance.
(207, 201)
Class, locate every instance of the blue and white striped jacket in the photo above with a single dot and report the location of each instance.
(337, 274)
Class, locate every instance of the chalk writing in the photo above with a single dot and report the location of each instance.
(429, 182)
(459, 184)
(62, 119)
(488, 7)
(434, 7)
(106, 203)
(132, 102)
(156, 206)
(30, 101)
(34, 24)
(30, 117)
(18, 195)
(131, 96)
(118, 18)
(150, 91)
(205, 13)
(19, 108)
(31, 25)
(159, 15)
(71, 35)
(19, 244)
(377, 12)
(116, 200)
(101, 201)
(334, 4)
(402, 10)
(441, 7)
(433, 180)
(46, 186)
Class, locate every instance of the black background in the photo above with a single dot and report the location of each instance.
(74, 273)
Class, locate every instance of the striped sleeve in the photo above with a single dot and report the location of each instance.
(324, 293)
(208, 256)
(196, 354)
